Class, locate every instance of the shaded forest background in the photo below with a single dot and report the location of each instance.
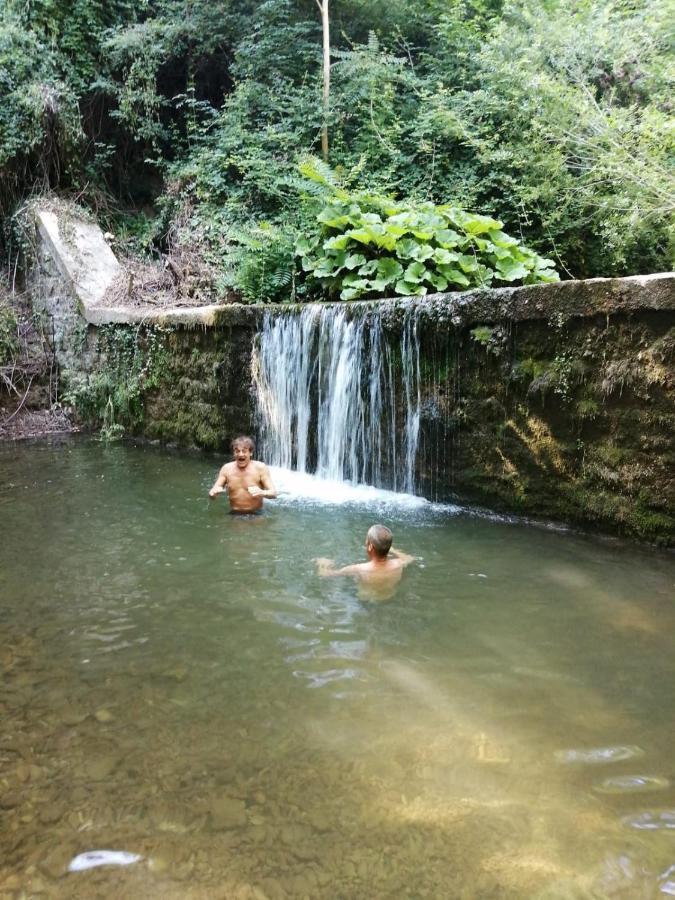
(181, 123)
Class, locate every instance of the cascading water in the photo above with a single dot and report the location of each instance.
(338, 396)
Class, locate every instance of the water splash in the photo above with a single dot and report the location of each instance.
(337, 396)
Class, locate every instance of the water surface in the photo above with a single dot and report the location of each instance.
(178, 684)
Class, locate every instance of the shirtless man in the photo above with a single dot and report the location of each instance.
(245, 480)
(379, 577)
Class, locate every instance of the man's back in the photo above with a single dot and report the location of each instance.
(376, 579)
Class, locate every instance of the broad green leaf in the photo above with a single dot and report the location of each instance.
(454, 275)
(468, 263)
(354, 260)
(410, 249)
(445, 257)
(410, 290)
(370, 267)
(334, 217)
(351, 293)
(508, 270)
(416, 272)
(474, 224)
(389, 269)
(547, 276)
(448, 238)
(501, 253)
(396, 230)
(355, 286)
(339, 242)
(373, 234)
(439, 282)
(483, 245)
(452, 214)
(406, 248)
(326, 268)
(303, 246)
(484, 275)
(500, 239)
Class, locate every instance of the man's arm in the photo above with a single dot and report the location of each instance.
(267, 488)
(326, 568)
(405, 558)
(220, 483)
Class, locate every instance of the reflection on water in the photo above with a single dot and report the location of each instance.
(180, 686)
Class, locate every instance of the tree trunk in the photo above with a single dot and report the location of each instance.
(323, 6)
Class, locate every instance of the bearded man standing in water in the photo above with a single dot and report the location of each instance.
(245, 480)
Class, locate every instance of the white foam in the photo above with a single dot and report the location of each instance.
(299, 487)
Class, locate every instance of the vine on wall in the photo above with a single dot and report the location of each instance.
(134, 361)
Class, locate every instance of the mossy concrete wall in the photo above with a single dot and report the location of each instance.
(565, 412)
(555, 400)
(571, 419)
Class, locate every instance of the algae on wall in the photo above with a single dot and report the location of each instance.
(568, 419)
(180, 386)
(205, 399)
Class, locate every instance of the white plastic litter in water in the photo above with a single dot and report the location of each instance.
(94, 858)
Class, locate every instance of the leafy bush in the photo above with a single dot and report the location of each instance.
(264, 266)
(134, 362)
(368, 245)
(8, 333)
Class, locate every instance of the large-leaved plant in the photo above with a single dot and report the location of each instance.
(368, 246)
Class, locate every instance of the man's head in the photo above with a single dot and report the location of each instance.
(379, 539)
(243, 449)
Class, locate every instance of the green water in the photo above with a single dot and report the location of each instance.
(178, 683)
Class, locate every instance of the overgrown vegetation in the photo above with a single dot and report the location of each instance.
(370, 245)
(133, 362)
(27, 366)
(182, 122)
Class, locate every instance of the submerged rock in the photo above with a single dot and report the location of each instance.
(227, 812)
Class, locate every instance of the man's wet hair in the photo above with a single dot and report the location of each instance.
(244, 441)
(381, 539)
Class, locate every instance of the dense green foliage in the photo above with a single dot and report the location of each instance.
(8, 336)
(134, 362)
(368, 245)
(554, 118)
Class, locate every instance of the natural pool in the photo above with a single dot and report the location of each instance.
(179, 684)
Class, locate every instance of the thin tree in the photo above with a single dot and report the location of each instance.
(323, 8)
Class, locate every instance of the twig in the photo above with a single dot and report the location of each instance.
(23, 400)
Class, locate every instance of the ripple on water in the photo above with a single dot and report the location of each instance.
(631, 784)
(667, 881)
(652, 820)
(598, 755)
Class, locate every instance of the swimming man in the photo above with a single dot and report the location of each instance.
(245, 480)
(378, 578)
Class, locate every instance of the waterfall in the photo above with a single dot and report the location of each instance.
(337, 396)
